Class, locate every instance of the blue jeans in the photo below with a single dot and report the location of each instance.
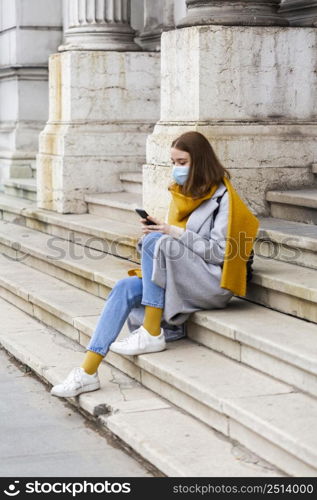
(126, 294)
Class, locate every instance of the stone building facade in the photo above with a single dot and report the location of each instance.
(91, 88)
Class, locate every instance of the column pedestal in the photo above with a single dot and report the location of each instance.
(233, 13)
(239, 87)
(100, 117)
(300, 12)
(104, 101)
(29, 33)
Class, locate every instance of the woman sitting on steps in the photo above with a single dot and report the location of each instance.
(188, 263)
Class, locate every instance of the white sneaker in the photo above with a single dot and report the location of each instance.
(76, 382)
(140, 341)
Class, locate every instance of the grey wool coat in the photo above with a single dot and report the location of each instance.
(189, 267)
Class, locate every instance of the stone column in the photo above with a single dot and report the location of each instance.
(299, 12)
(99, 25)
(103, 104)
(233, 13)
(29, 33)
(158, 17)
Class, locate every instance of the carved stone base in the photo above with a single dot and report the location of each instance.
(100, 118)
(233, 13)
(239, 86)
(116, 37)
(300, 12)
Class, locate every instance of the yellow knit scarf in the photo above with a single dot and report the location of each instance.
(242, 230)
(182, 206)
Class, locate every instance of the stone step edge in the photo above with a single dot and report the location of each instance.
(28, 208)
(198, 318)
(135, 177)
(101, 408)
(75, 323)
(286, 198)
(274, 282)
(44, 216)
(293, 240)
(22, 183)
(14, 204)
(40, 215)
(128, 205)
(68, 265)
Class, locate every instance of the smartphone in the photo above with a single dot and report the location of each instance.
(142, 213)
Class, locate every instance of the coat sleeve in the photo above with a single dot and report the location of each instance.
(211, 249)
(176, 231)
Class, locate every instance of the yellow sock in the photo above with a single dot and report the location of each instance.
(152, 320)
(91, 362)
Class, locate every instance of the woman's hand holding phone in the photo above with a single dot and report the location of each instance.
(157, 225)
(162, 227)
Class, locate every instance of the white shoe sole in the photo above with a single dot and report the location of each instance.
(119, 350)
(87, 388)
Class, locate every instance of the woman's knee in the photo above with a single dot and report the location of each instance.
(132, 286)
(152, 235)
(149, 242)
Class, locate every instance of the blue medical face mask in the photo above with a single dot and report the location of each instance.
(180, 174)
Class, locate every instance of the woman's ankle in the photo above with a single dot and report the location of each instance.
(91, 362)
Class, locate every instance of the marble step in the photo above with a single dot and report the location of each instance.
(13, 205)
(292, 242)
(21, 187)
(154, 428)
(284, 287)
(23, 163)
(87, 230)
(236, 400)
(274, 343)
(132, 182)
(279, 285)
(90, 270)
(103, 234)
(298, 205)
(229, 331)
(117, 206)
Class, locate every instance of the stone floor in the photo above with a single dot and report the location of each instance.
(44, 436)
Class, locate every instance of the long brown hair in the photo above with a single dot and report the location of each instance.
(205, 170)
